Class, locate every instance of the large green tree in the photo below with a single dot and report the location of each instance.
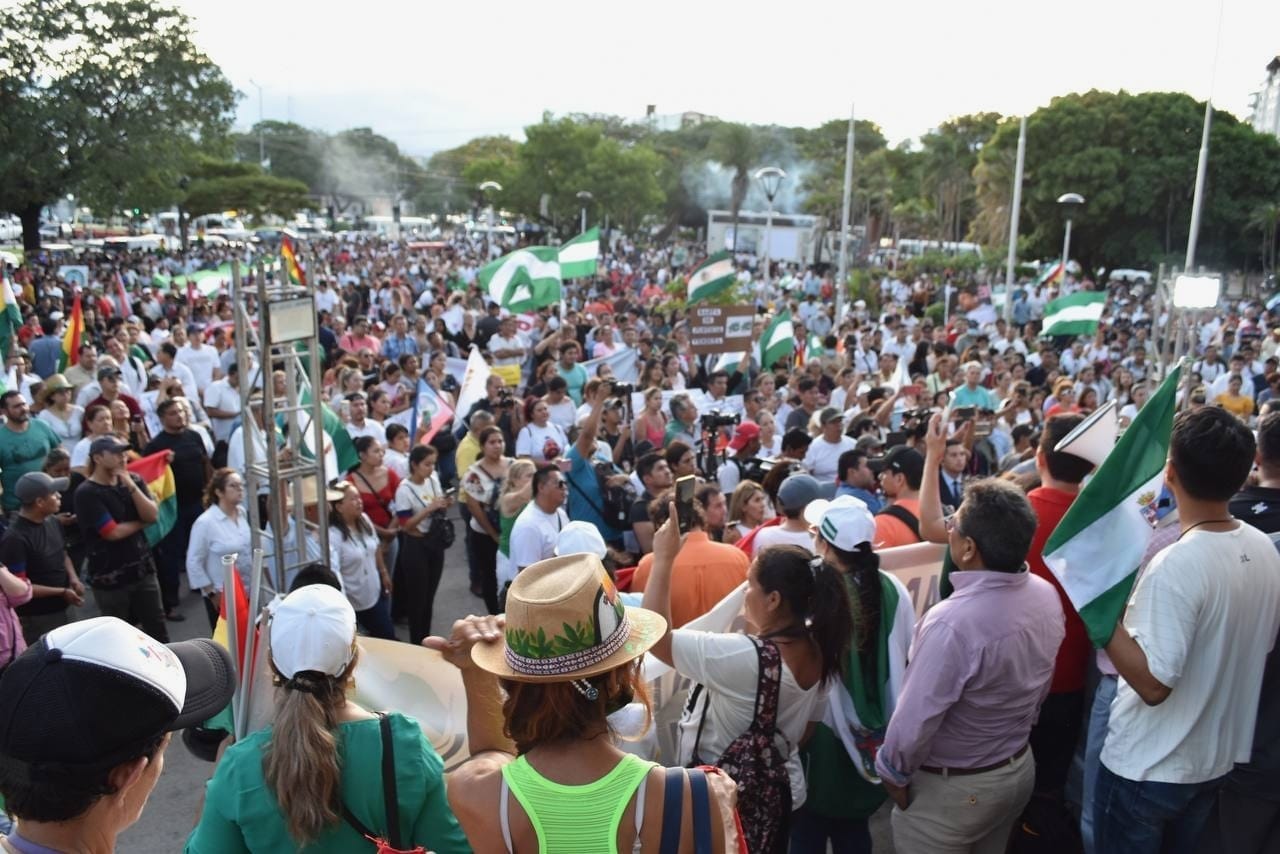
(217, 185)
(109, 100)
(1133, 158)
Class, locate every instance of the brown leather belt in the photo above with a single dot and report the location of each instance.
(961, 772)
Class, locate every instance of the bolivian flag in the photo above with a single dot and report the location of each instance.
(291, 266)
(71, 338)
(225, 719)
(158, 476)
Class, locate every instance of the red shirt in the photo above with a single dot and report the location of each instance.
(1073, 656)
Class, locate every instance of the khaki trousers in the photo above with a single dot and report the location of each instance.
(963, 814)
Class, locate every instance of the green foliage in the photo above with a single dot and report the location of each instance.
(1133, 158)
(230, 185)
(576, 638)
(445, 189)
(935, 312)
(108, 100)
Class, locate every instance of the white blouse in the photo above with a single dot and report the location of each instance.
(214, 535)
(69, 431)
(358, 565)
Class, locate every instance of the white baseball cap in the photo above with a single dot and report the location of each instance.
(313, 629)
(578, 538)
(845, 522)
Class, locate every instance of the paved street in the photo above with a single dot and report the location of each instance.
(174, 805)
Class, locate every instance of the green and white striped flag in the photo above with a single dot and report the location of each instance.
(711, 277)
(777, 341)
(579, 256)
(813, 347)
(1077, 314)
(10, 314)
(523, 280)
(1098, 546)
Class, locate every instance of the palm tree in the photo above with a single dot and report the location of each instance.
(735, 147)
(1266, 219)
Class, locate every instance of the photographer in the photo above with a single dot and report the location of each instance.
(508, 417)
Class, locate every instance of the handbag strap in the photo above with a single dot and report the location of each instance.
(701, 811)
(391, 800)
(385, 505)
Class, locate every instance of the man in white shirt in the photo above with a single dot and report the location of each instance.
(166, 366)
(199, 357)
(900, 345)
(326, 296)
(533, 537)
(559, 405)
(823, 457)
(1190, 650)
(506, 345)
(360, 423)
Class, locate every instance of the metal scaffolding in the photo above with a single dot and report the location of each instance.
(277, 343)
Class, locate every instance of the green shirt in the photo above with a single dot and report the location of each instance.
(21, 453)
(241, 813)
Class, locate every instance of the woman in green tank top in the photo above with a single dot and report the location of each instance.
(545, 774)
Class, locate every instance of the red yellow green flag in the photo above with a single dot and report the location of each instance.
(158, 476)
(71, 338)
(290, 256)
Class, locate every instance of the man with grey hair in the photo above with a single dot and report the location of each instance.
(981, 665)
(972, 393)
(684, 420)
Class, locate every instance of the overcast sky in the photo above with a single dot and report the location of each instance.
(431, 75)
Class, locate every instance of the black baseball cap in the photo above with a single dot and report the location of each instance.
(92, 694)
(900, 460)
(107, 445)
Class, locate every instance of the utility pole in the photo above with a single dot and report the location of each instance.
(842, 276)
(1012, 260)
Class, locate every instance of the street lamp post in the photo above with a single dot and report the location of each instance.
(1069, 202)
(770, 178)
(262, 143)
(585, 197)
(485, 187)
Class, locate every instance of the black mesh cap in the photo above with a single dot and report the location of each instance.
(94, 693)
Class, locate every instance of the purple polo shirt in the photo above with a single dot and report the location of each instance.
(980, 666)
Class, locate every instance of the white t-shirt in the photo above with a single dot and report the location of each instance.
(823, 457)
(776, 535)
(542, 444)
(564, 413)
(1205, 612)
(369, 428)
(412, 497)
(728, 666)
(515, 342)
(398, 462)
(201, 362)
(534, 535)
(220, 395)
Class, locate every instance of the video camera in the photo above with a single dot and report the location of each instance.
(506, 399)
(715, 419)
(622, 389)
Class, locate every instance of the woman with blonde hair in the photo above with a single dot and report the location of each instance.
(517, 491)
(746, 511)
(316, 780)
(540, 684)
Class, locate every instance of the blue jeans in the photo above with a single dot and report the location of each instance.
(1148, 817)
(377, 619)
(1099, 716)
(810, 833)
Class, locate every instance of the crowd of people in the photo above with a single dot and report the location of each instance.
(989, 724)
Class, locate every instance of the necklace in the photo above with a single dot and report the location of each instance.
(1205, 522)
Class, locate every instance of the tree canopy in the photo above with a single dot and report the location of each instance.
(108, 100)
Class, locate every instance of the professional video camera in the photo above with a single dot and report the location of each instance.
(506, 399)
(715, 419)
(623, 389)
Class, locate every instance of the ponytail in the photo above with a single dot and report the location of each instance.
(862, 574)
(816, 595)
(300, 763)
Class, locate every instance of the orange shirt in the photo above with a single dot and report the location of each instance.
(704, 573)
(892, 532)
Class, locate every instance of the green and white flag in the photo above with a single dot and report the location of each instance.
(1077, 314)
(10, 315)
(777, 341)
(579, 256)
(711, 277)
(813, 347)
(1098, 546)
(524, 280)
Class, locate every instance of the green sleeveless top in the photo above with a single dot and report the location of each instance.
(575, 819)
(505, 524)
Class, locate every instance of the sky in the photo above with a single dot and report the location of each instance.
(431, 75)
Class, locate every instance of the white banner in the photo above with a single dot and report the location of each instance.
(474, 377)
(625, 364)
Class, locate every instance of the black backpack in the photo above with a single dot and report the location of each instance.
(615, 502)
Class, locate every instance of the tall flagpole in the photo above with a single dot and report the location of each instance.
(842, 282)
(1012, 260)
(1197, 199)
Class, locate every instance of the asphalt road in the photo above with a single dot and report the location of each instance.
(173, 808)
